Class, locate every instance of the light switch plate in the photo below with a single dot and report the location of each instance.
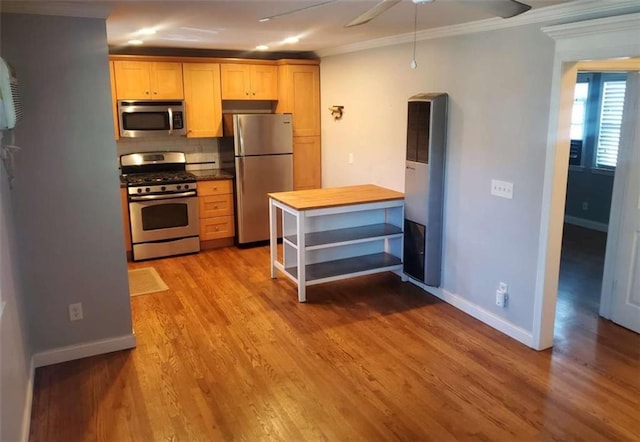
(503, 189)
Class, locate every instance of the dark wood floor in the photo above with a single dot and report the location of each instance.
(229, 354)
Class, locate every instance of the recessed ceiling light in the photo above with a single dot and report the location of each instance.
(147, 31)
(291, 40)
(262, 47)
(135, 42)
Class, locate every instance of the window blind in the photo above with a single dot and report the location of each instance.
(610, 123)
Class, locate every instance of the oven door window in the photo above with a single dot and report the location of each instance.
(165, 216)
(145, 120)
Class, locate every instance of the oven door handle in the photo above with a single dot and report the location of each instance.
(168, 196)
(170, 121)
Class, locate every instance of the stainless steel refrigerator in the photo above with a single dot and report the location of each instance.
(263, 150)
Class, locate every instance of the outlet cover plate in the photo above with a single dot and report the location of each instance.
(503, 189)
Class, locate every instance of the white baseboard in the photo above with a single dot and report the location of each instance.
(28, 403)
(84, 350)
(586, 223)
(492, 320)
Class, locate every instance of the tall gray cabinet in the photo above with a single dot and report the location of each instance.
(424, 187)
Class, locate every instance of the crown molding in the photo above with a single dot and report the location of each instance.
(577, 10)
(62, 9)
(620, 23)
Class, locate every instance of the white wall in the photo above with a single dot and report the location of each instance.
(66, 202)
(499, 86)
(15, 354)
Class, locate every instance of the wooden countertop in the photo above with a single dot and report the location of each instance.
(335, 196)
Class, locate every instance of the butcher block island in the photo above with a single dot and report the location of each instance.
(336, 233)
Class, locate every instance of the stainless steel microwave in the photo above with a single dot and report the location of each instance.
(151, 118)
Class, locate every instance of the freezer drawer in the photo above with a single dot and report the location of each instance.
(255, 178)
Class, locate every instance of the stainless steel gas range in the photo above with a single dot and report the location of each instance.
(163, 204)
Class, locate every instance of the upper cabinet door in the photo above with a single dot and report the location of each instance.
(132, 80)
(202, 99)
(300, 95)
(114, 103)
(142, 80)
(249, 82)
(166, 81)
(236, 83)
(264, 82)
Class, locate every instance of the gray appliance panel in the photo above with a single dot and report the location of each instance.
(424, 188)
(255, 178)
(262, 134)
(415, 197)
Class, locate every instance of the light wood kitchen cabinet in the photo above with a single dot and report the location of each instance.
(249, 81)
(148, 80)
(299, 94)
(202, 99)
(307, 171)
(125, 219)
(215, 200)
(114, 101)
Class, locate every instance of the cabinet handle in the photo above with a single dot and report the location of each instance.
(217, 229)
(254, 93)
(215, 207)
(146, 92)
(155, 92)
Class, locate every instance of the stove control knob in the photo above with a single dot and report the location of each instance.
(179, 187)
(147, 190)
(163, 188)
(186, 186)
(139, 190)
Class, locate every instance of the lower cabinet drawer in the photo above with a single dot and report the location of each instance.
(216, 227)
(215, 205)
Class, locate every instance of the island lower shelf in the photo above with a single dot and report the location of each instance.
(347, 267)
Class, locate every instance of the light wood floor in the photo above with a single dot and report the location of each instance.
(229, 354)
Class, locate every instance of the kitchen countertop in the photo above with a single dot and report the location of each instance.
(212, 174)
(336, 196)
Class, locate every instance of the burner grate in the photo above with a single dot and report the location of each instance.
(141, 179)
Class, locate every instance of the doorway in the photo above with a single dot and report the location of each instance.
(596, 123)
(616, 42)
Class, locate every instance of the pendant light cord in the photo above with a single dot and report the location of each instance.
(415, 31)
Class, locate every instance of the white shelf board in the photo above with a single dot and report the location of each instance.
(349, 235)
(348, 267)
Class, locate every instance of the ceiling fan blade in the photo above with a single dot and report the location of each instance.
(502, 8)
(293, 11)
(372, 13)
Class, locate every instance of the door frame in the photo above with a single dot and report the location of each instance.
(601, 39)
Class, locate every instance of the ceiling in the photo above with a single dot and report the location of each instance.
(233, 25)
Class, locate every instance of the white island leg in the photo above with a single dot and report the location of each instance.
(273, 236)
(302, 278)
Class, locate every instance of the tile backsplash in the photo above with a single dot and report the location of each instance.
(204, 152)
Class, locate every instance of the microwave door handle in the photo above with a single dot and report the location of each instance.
(170, 121)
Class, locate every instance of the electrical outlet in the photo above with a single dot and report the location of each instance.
(502, 295)
(75, 311)
(503, 189)
(585, 205)
(350, 157)
(500, 298)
